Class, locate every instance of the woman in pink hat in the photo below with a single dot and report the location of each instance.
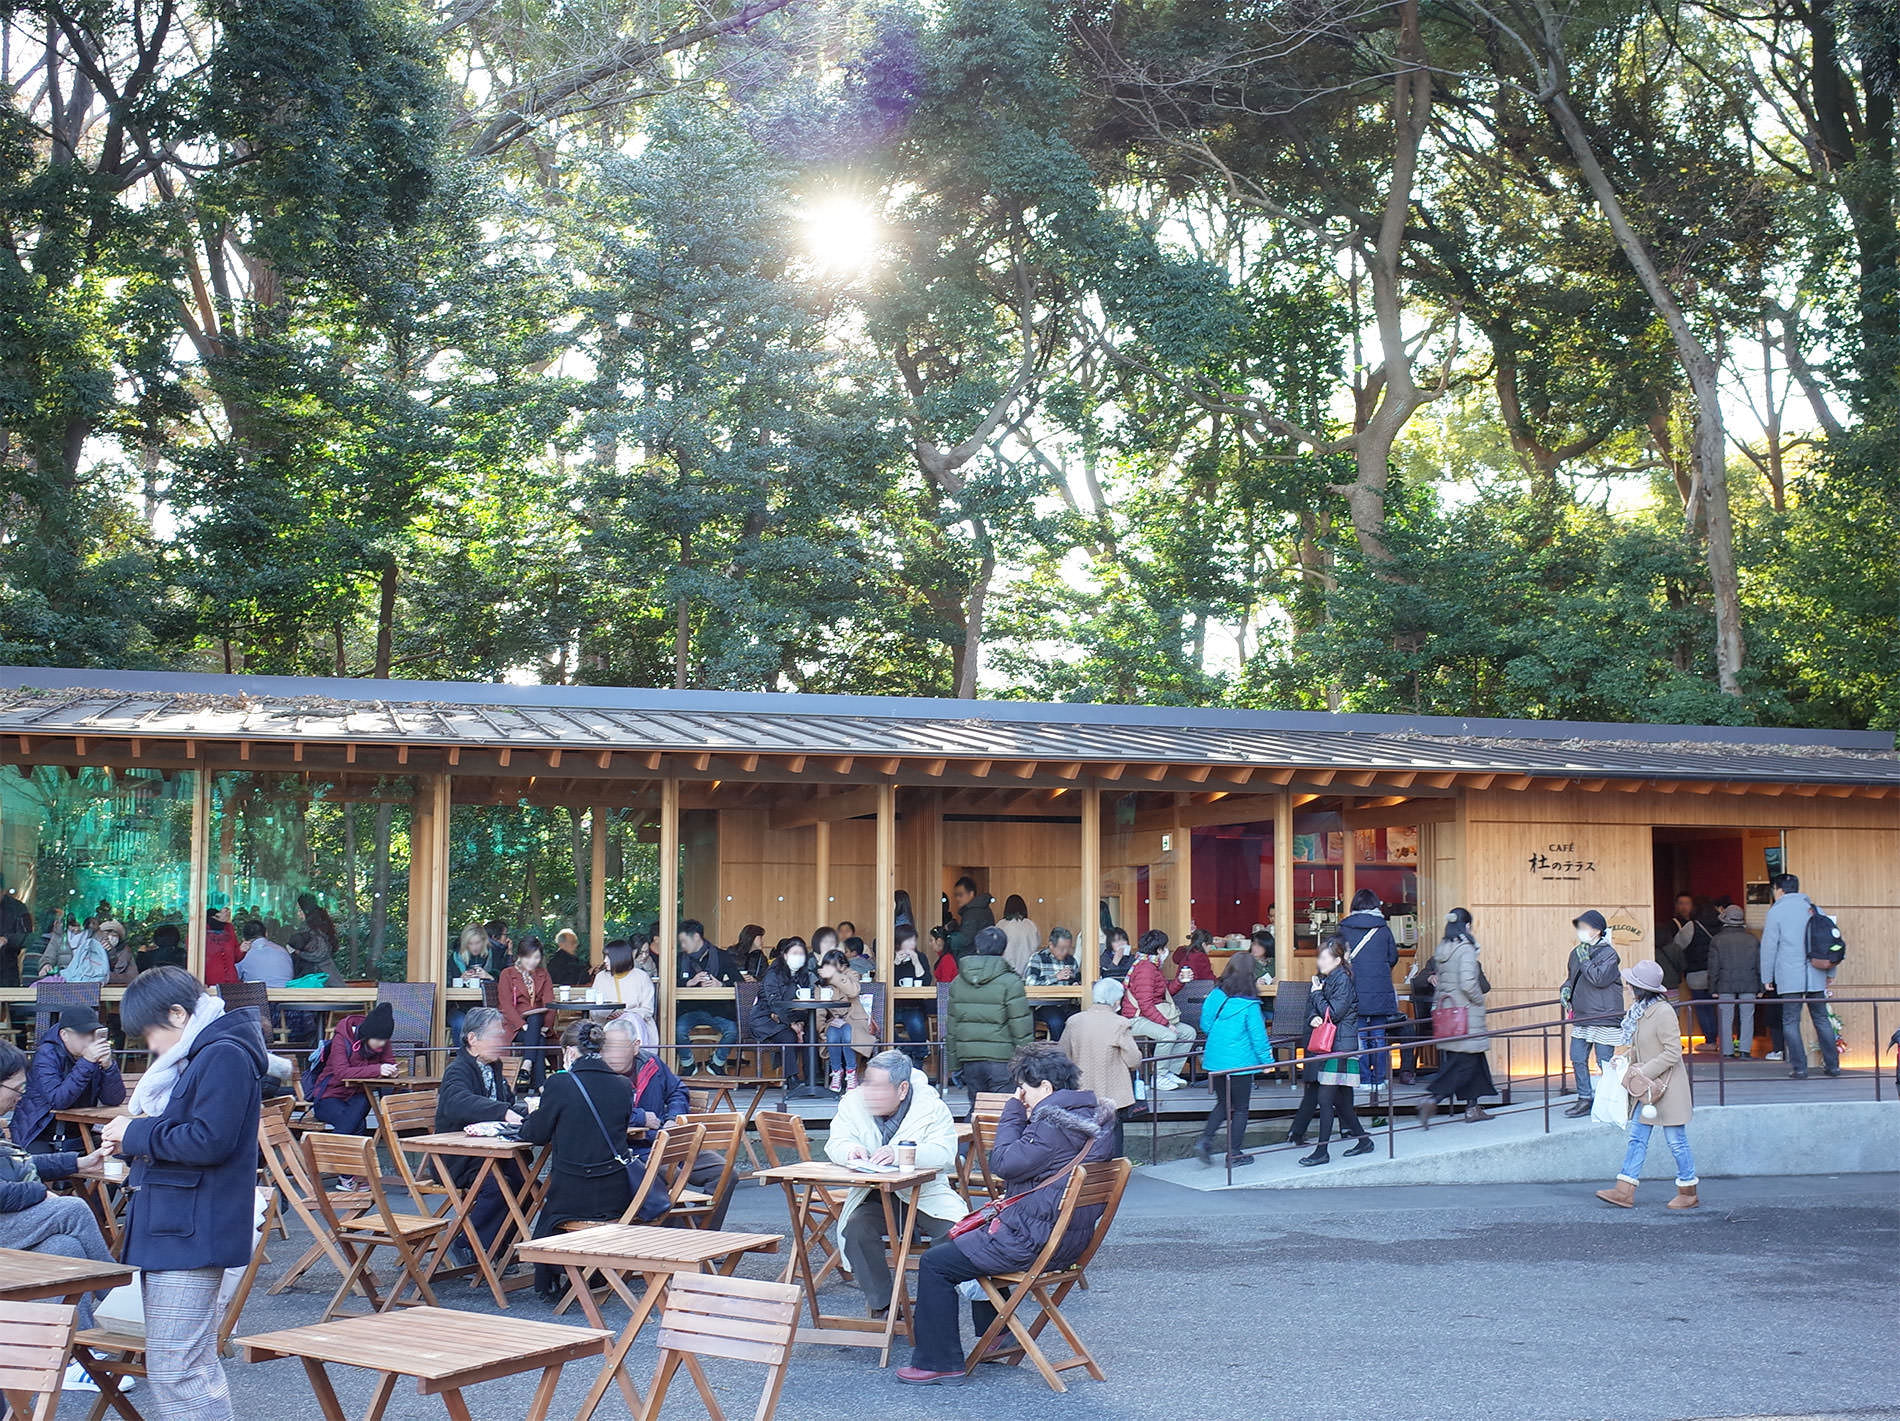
(1658, 1088)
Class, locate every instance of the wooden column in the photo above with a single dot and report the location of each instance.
(198, 895)
(1090, 860)
(429, 892)
(1180, 882)
(1283, 885)
(666, 950)
(597, 885)
(821, 872)
(883, 886)
(1348, 873)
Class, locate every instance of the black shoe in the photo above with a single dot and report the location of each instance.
(715, 1069)
(1831, 1071)
(1797, 1075)
(1235, 1161)
(1319, 1156)
(461, 1254)
(1204, 1150)
(1293, 1139)
(1364, 1147)
(1577, 1108)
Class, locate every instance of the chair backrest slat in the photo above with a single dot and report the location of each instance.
(36, 1342)
(783, 1136)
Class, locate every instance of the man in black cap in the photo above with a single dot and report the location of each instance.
(1593, 999)
(72, 1069)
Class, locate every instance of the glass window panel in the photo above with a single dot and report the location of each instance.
(274, 836)
(93, 838)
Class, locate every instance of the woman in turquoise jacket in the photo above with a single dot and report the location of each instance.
(1237, 1042)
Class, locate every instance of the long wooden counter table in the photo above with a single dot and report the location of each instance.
(350, 994)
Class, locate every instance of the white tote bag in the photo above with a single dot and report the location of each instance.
(1612, 1105)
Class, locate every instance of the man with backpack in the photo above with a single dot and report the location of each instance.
(1801, 949)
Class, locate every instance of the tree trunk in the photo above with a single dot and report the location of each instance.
(1709, 500)
(385, 619)
(969, 653)
(379, 885)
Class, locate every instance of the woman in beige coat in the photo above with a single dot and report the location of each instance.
(1101, 1042)
(848, 1027)
(1464, 1065)
(1658, 1088)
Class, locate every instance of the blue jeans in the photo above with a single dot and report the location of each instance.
(1678, 1138)
(1376, 1065)
(915, 1024)
(691, 1021)
(1580, 1064)
(1054, 1016)
(1816, 1003)
(841, 1055)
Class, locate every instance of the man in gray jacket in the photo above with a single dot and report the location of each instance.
(1786, 968)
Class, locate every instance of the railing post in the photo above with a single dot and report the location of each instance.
(1721, 1051)
(1543, 1038)
(1880, 1053)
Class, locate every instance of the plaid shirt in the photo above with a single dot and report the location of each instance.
(1045, 969)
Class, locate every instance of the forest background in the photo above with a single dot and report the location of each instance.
(1491, 357)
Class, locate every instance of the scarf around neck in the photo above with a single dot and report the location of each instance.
(888, 1125)
(1634, 1015)
(154, 1090)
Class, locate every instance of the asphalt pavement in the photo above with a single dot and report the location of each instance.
(1537, 1303)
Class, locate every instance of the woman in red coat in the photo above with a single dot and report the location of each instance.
(1191, 957)
(359, 1050)
(525, 992)
(221, 948)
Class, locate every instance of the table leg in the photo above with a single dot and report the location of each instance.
(463, 1203)
(379, 1399)
(544, 1393)
(456, 1407)
(900, 1280)
(798, 1266)
(613, 1368)
(320, 1387)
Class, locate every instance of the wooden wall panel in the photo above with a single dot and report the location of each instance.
(1039, 861)
(1524, 863)
(1857, 868)
(1647, 807)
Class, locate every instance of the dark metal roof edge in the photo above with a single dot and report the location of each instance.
(671, 702)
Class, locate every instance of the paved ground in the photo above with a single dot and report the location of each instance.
(1776, 1299)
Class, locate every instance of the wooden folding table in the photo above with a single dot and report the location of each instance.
(493, 1151)
(46, 1277)
(616, 1251)
(802, 1181)
(442, 1349)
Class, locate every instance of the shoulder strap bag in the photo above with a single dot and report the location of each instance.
(620, 1154)
(1351, 956)
(991, 1213)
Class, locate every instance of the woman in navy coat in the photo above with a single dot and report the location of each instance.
(192, 1141)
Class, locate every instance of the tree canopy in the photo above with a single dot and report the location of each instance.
(1527, 358)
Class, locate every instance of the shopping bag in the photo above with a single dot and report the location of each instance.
(1612, 1105)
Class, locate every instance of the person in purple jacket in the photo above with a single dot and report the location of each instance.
(1048, 1127)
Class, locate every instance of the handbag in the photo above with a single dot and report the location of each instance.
(1450, 1019)
(1320, 1039)
(635, 1170)
(990, 1214)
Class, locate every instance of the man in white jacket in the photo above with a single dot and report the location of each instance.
(892, 1105)
(1786, 968)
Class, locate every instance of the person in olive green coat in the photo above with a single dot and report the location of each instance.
(989, 1016)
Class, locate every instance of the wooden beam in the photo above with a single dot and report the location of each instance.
(821, 867)
(800, 807)
(1151, 772)
(795, 765)
(747, 763)
(138, 748)
(1403, 780)
(1440, 781)
(1024, 769)
(667, 948)
(980, 769)
(889, 766)
(1197, 774)
(504, 757)
(1070, 770)
(1480, 781)
(1517, 782)
(884, 893)
(197, 891)
(402, 754)
(1317, 777)
(842, 765)
(554, 759)
(1235, 774)
(1283, 887)
(1591, 786)
(1111, 773)
(605, 761)
(1088, 917)
(1359, 779)
(455, 754)
(935, 768)
(651, 759)
(702, 761)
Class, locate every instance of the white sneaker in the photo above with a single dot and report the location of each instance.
(1774, 1056)
(1170, 1081)
(77, 1380)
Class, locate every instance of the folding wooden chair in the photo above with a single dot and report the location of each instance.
(723, 1130)
(743, 1319)
(1046, 1283)
(401, 1114)
(287, 1169)
(669, 1164)
(973, 1170)
(118, 1348)
(36, 1343)
(413, 1004)
(380, 1226)
(785, 1142)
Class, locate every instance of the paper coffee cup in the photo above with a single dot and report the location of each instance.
(114, 1169)
(907, 1154)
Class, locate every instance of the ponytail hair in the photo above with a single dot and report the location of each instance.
(1457, 924)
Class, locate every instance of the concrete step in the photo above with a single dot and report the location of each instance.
(1847, 1137)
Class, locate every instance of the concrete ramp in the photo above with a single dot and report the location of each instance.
(1850, 1137)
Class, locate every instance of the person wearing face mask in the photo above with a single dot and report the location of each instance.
(775, 1020)
(1592, 995)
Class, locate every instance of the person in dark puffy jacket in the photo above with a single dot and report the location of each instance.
(975, 912)
(1049, 1128)
(1329, 1083)
(989, 1016)
(1592, 995)
(1372, 955)
(73, 1068)
(773, 1020)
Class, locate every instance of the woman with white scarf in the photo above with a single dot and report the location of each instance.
(192, 1140)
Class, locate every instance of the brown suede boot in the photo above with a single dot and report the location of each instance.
(1685, 1197)
(1427, 1108)
(1475, 1113)
(1622, 1194)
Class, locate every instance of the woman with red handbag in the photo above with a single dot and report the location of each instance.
(1048, 1128)
(1464, 1070)
(1332, 1026)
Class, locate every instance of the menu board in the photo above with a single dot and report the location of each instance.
(1401, 845)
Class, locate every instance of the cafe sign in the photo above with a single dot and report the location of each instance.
(1562, 863)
